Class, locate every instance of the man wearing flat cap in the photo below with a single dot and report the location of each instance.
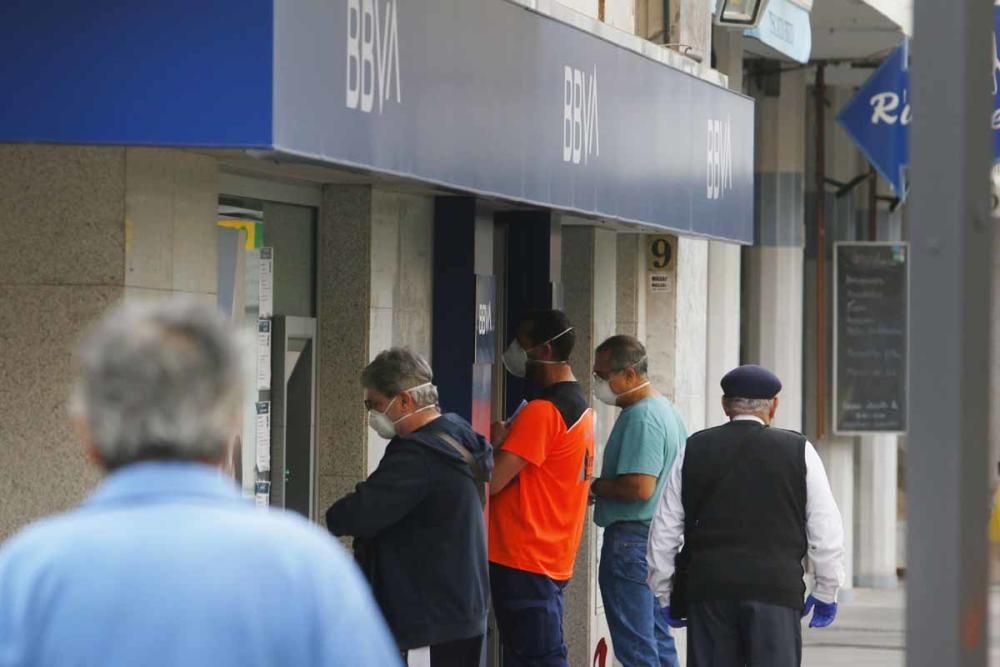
(748, 503)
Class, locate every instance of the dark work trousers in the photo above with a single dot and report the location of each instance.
(529, 613)
(458, 653)
(727, 633)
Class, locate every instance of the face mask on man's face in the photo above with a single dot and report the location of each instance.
(515, 358)
(385, 426)
(605, 394)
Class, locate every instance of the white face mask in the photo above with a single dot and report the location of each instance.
(605, 394)
(515, 358)
(382, 424)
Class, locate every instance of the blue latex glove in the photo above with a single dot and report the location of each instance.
(676, 623)
(824, 614)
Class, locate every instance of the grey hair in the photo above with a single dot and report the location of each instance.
(625, 352)
(399, 369)
(160, 380)
(734, 405)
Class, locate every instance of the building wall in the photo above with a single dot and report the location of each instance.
(723, 323)
(588, 7)
(691, 343)
(375, 270)
(401, 282)
(631, 301)
(81, 228)
(620, 14)
(171, 200)
(661, 322)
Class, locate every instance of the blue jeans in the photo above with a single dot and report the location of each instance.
(639, 633)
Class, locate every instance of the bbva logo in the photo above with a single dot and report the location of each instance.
(372, 54)
(720, 158)
(581, 128)
(484, 319)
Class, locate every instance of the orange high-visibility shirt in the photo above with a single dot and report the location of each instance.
(536, 522)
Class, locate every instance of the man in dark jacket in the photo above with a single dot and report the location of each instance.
(420, 514)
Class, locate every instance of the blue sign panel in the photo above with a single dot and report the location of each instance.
(486, 97)
(492, 98)
(169, 73)
(878, 117)
(786, 28)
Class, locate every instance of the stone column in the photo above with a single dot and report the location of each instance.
(81, 228)
(876, 538)
(588, 275)
(723, 325)
(661, 319)
(878, 468)
(374, 292)
(631, 269)
(772, 272)
(692, 342)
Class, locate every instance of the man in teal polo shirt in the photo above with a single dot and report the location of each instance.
(642, 447)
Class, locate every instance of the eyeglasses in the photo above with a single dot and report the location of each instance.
(606, 375)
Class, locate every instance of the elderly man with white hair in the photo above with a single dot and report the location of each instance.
(166, 563)
(749, 502)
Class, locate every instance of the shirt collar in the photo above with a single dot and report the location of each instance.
(164, 480)
(749, 418)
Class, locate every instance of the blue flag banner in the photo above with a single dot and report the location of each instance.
(878, 117)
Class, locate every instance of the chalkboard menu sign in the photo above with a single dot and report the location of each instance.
(871, 301)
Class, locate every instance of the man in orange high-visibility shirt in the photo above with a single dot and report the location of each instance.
(541, 478)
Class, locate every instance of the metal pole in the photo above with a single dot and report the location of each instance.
(820, 101)
(951, 240)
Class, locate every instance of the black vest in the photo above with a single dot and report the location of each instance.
(748, 540)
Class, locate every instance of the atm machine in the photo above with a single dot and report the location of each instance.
(293, 414)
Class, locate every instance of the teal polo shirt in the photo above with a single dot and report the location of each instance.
(645, 440)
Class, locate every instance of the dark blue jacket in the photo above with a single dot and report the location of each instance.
(421, 515)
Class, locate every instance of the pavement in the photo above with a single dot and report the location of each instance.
(870, 632)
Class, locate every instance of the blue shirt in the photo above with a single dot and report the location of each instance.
(166, 564)
(645, 440)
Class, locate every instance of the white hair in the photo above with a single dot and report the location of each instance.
(746, 406)
(159, 380)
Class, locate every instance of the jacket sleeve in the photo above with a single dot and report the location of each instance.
(666, 535)
(398, 485)
(824, 529)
